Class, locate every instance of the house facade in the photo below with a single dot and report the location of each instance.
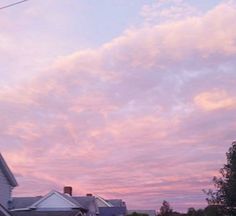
(7, 183)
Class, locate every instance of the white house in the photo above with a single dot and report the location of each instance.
(7, 183)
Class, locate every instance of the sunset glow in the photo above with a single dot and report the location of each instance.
(125, 99)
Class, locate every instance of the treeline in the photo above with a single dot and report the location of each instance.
(166, 210)
(222, 200)
(211, 210)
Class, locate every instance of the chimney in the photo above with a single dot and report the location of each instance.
(89, 194)
(68, 190)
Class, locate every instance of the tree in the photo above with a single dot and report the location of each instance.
(194, 212)
(225, 185)
(137, 214)
(200, 212)
(191, 212)
(165, 209)
(212, 210)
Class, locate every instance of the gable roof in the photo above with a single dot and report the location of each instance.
(34, 206)
(46, 213)
(71, 199)
(7, 172)
(24, 203)
(72, 202)
(102, 202)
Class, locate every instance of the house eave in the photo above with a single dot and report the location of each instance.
(7, 172)
(20, 209)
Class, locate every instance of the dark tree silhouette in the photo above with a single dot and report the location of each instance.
(137, 214)
(224, 195)
(213, 210)
(165, 209)
(198, 212)
(191, 212)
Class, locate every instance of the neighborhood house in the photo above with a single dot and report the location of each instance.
(54, 203)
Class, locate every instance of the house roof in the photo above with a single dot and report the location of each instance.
(7, 172)
(67, 198)
(26, 202)
(116, 202)
(25, 206)
(85, 200)
(46, 213)
(102, 202)
(114, 211)
(72, 200)
(23, 202)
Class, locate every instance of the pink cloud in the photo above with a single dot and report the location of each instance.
(214, 100)
(129, 119)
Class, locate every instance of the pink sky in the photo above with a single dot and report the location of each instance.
(146, 116)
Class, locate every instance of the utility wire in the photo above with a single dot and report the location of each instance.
(13, 4)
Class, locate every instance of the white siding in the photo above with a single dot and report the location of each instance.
(5, 190)
(102, 203)
(54, 201)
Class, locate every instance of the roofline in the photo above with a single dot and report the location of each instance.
(7, 172)
(20, 209)
(104, 201)
(34, 205)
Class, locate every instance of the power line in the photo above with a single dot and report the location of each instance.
(13, 4)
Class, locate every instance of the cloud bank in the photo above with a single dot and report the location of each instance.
(145, 117)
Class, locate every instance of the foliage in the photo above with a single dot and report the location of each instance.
(213, 210)
(225, 194)
(165, 209)
(137, 214)
(193, 212)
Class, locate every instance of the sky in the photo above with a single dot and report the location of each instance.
(131, 99)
